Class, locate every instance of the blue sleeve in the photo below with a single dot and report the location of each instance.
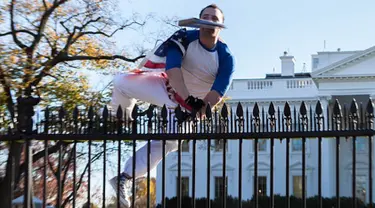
(225, 71)
(174, 57)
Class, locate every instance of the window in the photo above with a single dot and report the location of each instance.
(297, 186)
(219, 145)
(262, 145)
(296, 145)
(184, 185)
(185, 146)
(219, 188)
(262, 185)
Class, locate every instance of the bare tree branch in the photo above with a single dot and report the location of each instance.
(80, 58)
(45, 4)
(37, 156)
(110, 35)
(18, 31)
(95, 158)
(14, 34)
(43, 22)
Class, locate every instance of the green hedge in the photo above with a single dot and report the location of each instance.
(279, 201)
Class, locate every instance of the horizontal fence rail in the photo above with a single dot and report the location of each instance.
(53, 140)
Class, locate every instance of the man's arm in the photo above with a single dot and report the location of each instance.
(223, 78)
(176, 80)
(213, 97)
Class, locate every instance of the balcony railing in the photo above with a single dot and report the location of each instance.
(49, 145)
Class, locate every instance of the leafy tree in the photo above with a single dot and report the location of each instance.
(45, 45)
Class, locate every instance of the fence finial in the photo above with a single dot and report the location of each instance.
(370, 108)
(239, 110)
(319, 108)
(224, 111)
(287, 112)
(208, 111)
(271, 109)
(303, 109)
(337, 112)
(256, 110)
(354, 107)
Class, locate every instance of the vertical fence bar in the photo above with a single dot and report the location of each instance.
(240, 126)
(164, 117)
(353, 126)
(319, 122)
(370, 125)
(304, 122)
(194, 166)
(256, 119)
(118, 126)
(224, 125)
(370, 143)
(75, 121)
(150, 114)
(90, 130)
(195, 130)
(11, 179)
(28, 178)
(209, 127)
(105, 130)
(179, 115)
(272, 118)
(45, 159)
(60, 163)
(287, 118)
(336, 118)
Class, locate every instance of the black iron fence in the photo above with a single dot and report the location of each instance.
(30, 142)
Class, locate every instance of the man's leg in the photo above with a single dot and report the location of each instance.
(128, 88)
(156, 156)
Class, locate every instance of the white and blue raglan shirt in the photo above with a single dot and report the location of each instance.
(203, 69)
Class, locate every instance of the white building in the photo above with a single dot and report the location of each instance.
(334, 75)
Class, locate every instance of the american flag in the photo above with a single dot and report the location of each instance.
(155, 60)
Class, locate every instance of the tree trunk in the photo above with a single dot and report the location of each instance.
(5, 185)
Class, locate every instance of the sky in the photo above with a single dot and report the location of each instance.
(260, 31)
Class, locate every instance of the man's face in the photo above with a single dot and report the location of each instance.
(213, 15)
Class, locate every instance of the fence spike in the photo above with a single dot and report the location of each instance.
(105, 119)
(208, 111)
(239, 110)
(271, 109)
(224, 111)
(119, 113)
(354, 107)
(75, 114)
(135, 112)
(46, 113)
(337, 112)
(179, 114)
(105, 113)
(91, 113)
(370, 108)
(303, 109)
(150, 112)
(319, 108)
(256, 110)
(164, 112)
(61, 113)
(287, 112)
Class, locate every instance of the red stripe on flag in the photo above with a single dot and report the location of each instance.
(152, 65)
